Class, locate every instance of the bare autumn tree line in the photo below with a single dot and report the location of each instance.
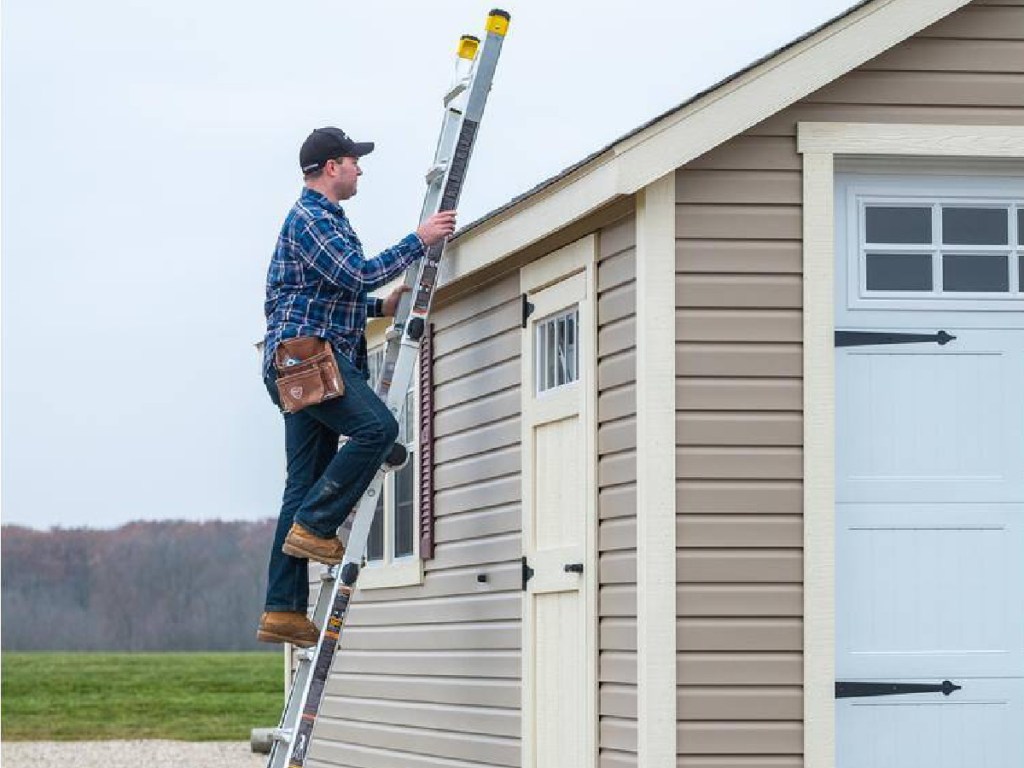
(147, 586)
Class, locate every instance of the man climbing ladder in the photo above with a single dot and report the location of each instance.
(315, 370)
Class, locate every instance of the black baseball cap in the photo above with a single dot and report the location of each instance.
(329, 143)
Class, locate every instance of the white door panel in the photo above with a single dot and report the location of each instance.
(920, 422)
(927, 589)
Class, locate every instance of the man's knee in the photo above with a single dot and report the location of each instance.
(381, 432)
(390, 430)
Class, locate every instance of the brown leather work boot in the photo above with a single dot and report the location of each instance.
(301, 542)
(287, 627)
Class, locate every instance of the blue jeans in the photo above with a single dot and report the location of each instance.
(324, 483)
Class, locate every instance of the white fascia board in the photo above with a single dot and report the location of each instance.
(684, 135)
(546, 212)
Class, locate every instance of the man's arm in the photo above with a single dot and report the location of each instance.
(337, 256)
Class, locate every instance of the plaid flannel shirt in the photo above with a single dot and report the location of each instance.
(318, 279)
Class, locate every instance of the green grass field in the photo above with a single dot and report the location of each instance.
(185, 696)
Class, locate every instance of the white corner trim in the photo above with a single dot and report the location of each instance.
(688, 132)
(655, 473)
(819, 462)
(821, 144)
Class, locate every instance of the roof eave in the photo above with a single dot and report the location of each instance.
(692, 129)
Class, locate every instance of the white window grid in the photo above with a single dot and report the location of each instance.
(408, 435)
(937, 297)
(557, 350)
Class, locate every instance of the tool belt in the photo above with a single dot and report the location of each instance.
(307, 373)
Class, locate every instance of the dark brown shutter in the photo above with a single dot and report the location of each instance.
(426, 457)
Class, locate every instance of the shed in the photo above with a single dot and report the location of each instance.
(741, 394)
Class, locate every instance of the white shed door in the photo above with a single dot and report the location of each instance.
(930, 549)
(555, 515)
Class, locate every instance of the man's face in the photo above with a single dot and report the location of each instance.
(344, 173)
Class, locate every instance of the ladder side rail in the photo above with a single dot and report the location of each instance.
(394, 369)
(462, 85)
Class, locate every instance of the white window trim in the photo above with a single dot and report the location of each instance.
(939, 191)
(820, 143)
(406, 571)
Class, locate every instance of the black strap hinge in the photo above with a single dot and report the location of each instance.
(856, 690)
(527, 310)
(868, 338)
(527, 573)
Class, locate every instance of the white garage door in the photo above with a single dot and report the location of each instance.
(930, 473)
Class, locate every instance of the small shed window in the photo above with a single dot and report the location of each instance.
(557, 350)
(941, 248)
(393, 532)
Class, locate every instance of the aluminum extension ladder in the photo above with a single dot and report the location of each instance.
(464, 106)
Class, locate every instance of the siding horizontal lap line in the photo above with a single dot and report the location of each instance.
(482, 537)
(361, 756)
(615, 271)
(486, 439)
(497, 463)
(466, 663)
(617, 237)
(438, 717)
(470, 360)
(466, 307)
(492, 486)
(981, 22)
(477, 523)
(477, 400)
(486, 411)
(503, 750)
(926, 88)
(438, 611)
(494, 321)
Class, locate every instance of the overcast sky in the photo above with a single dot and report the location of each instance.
(150, 154)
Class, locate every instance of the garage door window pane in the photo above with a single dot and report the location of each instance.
(975, 226)
(899, 272)
(986, 273)
(885, 224)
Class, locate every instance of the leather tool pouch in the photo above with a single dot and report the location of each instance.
(307, 373)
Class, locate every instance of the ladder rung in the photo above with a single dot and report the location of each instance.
(458, 89)
(281, 734)
(436, 172)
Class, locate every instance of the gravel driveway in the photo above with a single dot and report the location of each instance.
(130, 754)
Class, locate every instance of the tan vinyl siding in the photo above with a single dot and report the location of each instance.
(739, 400)
(429, 675)
(616, 375)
